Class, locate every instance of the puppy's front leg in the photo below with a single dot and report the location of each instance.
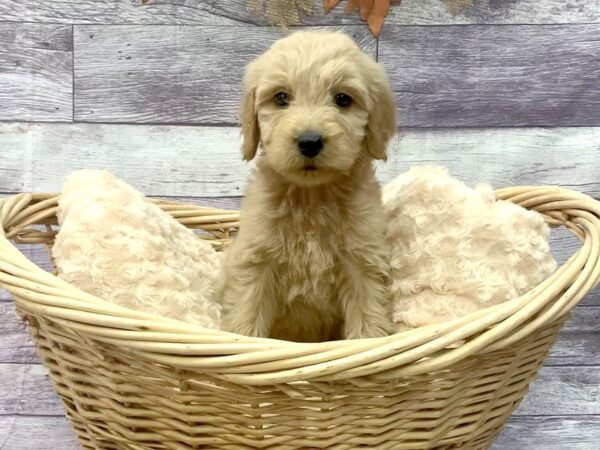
(246, 295)
(366, 302)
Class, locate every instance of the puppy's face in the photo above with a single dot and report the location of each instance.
(316, 103)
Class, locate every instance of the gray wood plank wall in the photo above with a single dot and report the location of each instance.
(506, 92)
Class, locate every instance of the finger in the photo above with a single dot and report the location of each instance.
(375, 25)
(365, 8)
(352, 5)
(328, 5)
(377, 16)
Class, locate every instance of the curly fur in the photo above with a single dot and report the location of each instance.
(116, 245)
(310, 262)
(457, 250)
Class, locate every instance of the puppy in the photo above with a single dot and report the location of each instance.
(310, 262)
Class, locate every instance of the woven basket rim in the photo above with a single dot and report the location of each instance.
(260, 361)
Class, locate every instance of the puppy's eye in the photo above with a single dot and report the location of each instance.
(281, 99)
(343, 100)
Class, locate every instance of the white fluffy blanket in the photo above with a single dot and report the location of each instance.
(457, 250)
(115, 244)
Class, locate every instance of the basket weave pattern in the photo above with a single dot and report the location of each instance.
(131, 380)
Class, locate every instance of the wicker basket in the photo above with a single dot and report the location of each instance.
(131, 380)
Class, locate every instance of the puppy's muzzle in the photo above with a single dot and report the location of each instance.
(310, 143)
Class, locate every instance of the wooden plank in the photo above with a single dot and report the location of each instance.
(27, 390)
(569, 157)
(491, 75)
(172, 161)
(574, 346)
(592, 299)
(528, 432)
(208, 12)
(454, 12)
(235, 12)
(36, 72)
(579, 341)
(550, 433)
(562, 243)
(16, 345)
(578, 344)
(186, 161)
(15, 166)
(169, 74)
(39, 433)
(563, 391)
(165, 12)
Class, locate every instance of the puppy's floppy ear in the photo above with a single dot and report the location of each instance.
(249, 119)
(381, 125)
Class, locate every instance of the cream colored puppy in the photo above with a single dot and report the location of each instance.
(310, 262)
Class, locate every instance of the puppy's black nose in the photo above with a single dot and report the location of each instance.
(310, 143)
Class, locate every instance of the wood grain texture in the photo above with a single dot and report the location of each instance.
(36, 65)
(36, 433)
(521, 433)
(26, 390)
(205, 161)
(454, 12)
(482, 76)
(16, 344)
(169, 74)
(158, 12)
(466, 75)
(550, 433)
(578, 344)
(562, 243)
(234, 12)
(563, 391)
(15, 163)
(579, 341)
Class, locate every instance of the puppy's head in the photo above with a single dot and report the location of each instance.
(316, 103)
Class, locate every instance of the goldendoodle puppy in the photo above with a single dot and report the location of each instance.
(310, 262)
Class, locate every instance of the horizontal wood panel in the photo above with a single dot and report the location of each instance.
(453, 12)
(164, 12)
(235, 12)
(578, 344)
(206, 162)
(36, 66)
(16, 345)
(169, 74)
(521, 433)
(27, 390)
(562, 243)
(207, 12)
(569, 157)
(36, 433)
(15, 163)
(563, 390)
(550, 433)
(579, 341)
(494, 75)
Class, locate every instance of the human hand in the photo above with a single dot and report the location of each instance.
(373, 11)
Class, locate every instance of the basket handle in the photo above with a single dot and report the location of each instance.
(414, 352)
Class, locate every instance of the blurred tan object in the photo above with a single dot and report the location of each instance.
(288, 12)
(458, 6)
(282, 12)
(372, 11)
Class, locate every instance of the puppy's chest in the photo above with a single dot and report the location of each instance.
(309, 256)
